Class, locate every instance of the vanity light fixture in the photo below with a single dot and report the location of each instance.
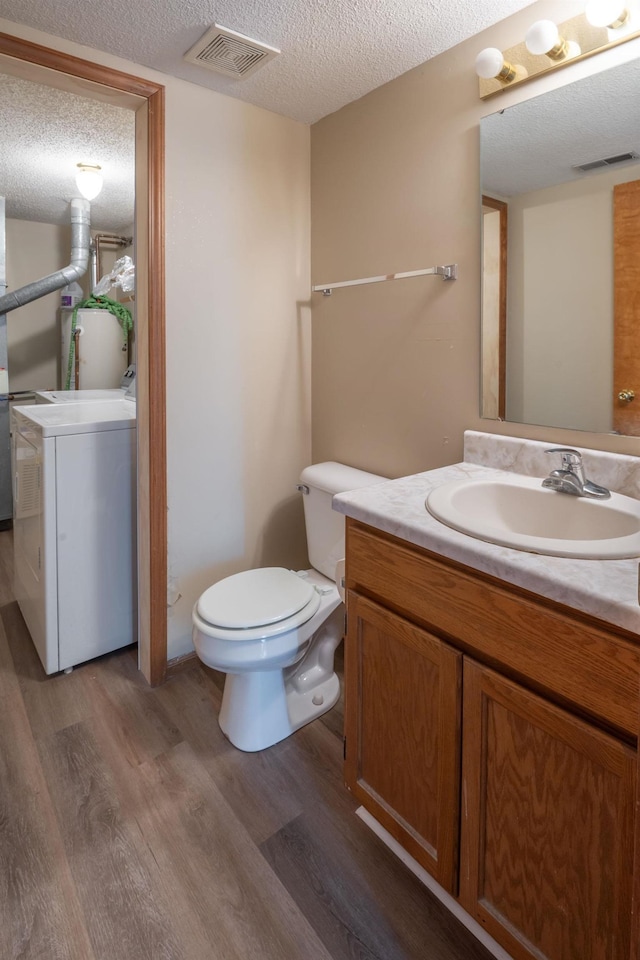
(490, 64)
(89, 180)
(611, 14)
(543, 39)
(549, 46)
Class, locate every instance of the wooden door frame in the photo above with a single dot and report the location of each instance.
(150, 338)
(626, 274)
(502, 208)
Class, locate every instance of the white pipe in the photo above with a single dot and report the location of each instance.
(80, 243)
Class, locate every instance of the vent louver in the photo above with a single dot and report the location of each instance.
(230, 53)
(606, 162)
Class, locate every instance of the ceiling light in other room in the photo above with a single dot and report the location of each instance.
(89, 180)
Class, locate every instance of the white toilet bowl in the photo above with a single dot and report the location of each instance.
(274, 633)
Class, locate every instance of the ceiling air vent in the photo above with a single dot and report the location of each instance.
(228, 52)
(607, 162)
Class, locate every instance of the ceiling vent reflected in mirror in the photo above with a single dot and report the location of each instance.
(230, 53)
(606, 162)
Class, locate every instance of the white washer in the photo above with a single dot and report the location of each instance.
(78, 396)
(74, 470)
(126, 391)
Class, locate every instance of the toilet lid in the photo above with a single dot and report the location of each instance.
(255, 598)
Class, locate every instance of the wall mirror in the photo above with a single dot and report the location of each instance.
(560, 180)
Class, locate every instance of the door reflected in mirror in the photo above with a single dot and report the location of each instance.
(565, 168)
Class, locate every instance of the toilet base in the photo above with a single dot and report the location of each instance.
(311, 704)
(259, 709)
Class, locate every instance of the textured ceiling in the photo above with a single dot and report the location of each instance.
(536, 143)
(45, 133)
(333, 52)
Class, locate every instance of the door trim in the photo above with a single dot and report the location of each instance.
(150, 337)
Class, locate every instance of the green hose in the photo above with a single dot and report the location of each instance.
(101, 303)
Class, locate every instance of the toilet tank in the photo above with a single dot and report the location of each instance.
(325, 528)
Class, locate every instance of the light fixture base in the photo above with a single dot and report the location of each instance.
(577, 31)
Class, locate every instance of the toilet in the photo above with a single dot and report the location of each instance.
(274, 632)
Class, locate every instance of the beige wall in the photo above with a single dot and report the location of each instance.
(560, 335)
(567, 316)
(395, 187)
(34, 250)
(238, 342)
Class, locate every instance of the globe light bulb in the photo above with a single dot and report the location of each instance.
(606, 13)
(490, 64)
(89, 180)
(543, 38)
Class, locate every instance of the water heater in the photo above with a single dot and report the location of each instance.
(102, 350)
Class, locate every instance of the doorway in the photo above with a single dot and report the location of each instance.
(147, 99)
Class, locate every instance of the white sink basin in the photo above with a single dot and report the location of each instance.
(520, 513)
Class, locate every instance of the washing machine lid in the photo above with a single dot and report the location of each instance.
(255, 598)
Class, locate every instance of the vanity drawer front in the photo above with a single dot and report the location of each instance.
(577, 662)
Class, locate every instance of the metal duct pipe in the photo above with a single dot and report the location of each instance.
(80, 243)
(94, 264)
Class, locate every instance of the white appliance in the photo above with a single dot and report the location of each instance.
(74, 470)
(126, 390)
(102, 349)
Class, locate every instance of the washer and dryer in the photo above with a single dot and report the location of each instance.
(74, 470)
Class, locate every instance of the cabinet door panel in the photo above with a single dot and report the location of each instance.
(547, 828)
(403, 701)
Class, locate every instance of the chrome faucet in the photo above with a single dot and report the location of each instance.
(570, 477)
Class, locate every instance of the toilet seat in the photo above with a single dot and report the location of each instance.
(257, 604)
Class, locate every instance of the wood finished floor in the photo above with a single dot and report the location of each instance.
(131, 829)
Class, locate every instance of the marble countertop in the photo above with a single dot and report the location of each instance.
(607, 589)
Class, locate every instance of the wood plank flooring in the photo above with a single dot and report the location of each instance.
(130, 829)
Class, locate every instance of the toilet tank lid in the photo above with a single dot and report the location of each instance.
(333, 477)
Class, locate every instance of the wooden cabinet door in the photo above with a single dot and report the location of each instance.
(402, 726)
(626, 296)
(547, 825)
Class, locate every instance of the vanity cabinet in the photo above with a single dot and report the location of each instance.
(493, 734)
(547, 836)
(403, 760)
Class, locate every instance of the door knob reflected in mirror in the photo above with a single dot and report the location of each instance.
(626, 396)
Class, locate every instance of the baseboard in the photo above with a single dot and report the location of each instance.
(434, 887)
(178, 664)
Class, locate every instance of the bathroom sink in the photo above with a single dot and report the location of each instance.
(521, 514)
